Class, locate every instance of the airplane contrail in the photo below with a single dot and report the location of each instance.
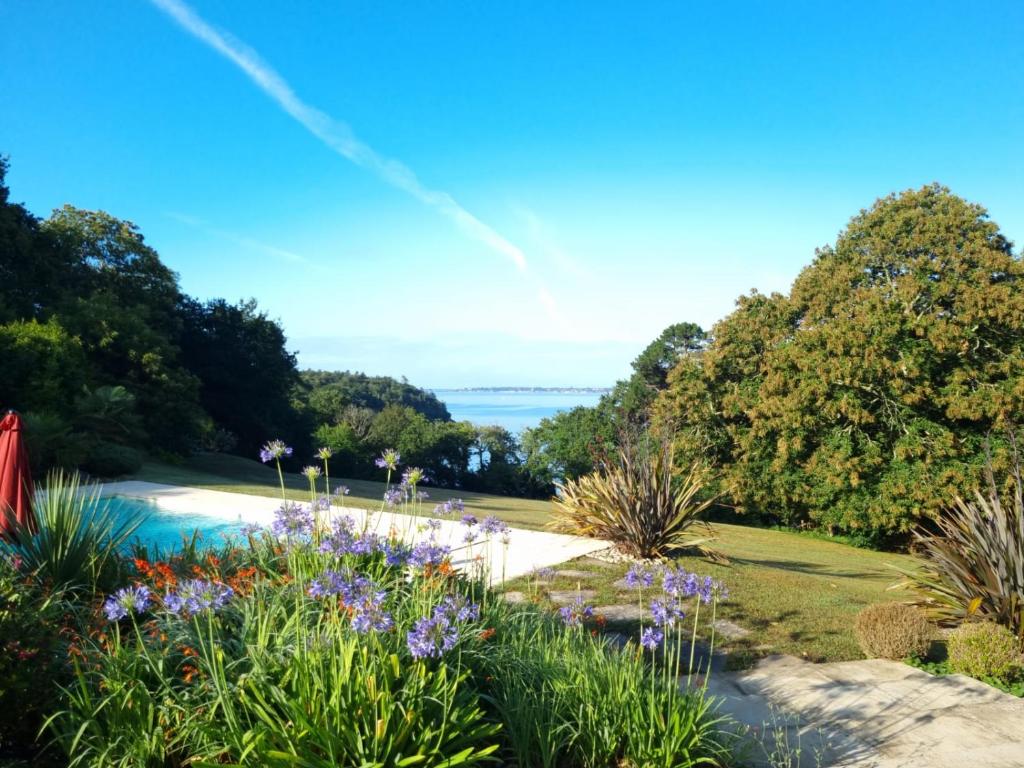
(334, 133)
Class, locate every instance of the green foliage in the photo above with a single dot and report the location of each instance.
(109, 460)
(634, 501)
(568, 444)
(331, 392)
(246, 374)
(52, 443)
(861, 400)
(974, 558)
(32, 657)
(76, 540)
(893, 631)
(43, 366)
(984, 649)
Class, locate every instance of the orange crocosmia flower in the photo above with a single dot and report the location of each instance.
(143, 566)
(188, 672)
(488, 633)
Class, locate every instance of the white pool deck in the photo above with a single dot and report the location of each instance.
(525, 551)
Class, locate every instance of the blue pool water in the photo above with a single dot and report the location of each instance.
(163, 529)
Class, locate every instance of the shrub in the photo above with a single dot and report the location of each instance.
(983, 649)
(112, 460)
(634, 501)
(893, 631)
(33, 660)
(76, 540)
(974, 558)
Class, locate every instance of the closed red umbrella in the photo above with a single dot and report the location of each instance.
(15, 479)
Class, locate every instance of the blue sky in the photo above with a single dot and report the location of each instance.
(503, 193)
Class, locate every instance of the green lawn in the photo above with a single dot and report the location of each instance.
(796, 594)
(221, 472)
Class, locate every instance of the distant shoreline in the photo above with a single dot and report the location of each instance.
(572, 390)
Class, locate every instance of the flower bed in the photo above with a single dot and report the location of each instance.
(327, 645)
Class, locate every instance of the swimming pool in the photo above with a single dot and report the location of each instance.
(164, 528)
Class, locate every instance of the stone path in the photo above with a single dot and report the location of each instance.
(875, 714)
(526, 550)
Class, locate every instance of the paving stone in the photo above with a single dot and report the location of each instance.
(624, 612)
(571, 574)
(566, 596)
(729, 630)
(877, 713)
(514, 597)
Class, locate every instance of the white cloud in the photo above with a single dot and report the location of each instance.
(334, 133)
(246, 242)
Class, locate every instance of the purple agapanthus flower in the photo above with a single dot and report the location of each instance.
(574, 614)
(251, 529)
(394, 496)
(389, 459)
(414, 476)
(292, 520)
(428, 553)
(651, 638)
(666, 613)
(275, 449)
(125, 601)
(371, 618)
(198, 595)
(679, 583)
(433, 525)
(457, 608)
(341, 538)
(492, 525)
(433, 636)
(638, 577)
(469, 520)
(396, 553)
(341, 490)
(448, 507)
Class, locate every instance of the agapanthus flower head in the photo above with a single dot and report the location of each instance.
(469, 520)
(433, 636)
(126, 600)
(341, 490)
(396, 553)
(414, 476)
(639, 577)
(422, 495)
(198, 595)
(394, 496)
(428, 553)
(341, 538)
(448, 507)
(292, 520)
(709, 589)
(546, 573)
(275, 449)
(492, 525)
(389, 459)
(252, 529)
(651, 638)
(324, 453)
(574, 614)
(679, 583)
(666, 612)
(433, 525)
(457, 608)
(371, 618)
(311, 472)
(470, 536)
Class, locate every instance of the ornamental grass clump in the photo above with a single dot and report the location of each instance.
(893, 631)
(636, 501)
(984, 649)
(974, 557)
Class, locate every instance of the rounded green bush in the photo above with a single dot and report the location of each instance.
(893, 631)
(112, 460)
(983, 649)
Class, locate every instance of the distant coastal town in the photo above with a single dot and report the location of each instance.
(567, 390)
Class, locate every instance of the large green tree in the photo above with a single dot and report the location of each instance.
(246, 373)
(862, 400)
